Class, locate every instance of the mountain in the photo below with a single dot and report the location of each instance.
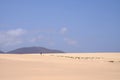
(1, 51)
(34, 50)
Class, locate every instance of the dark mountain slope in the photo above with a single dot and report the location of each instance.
(1, 51)
(34, 50)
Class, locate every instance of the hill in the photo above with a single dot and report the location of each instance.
(1, 51)
(34, 50)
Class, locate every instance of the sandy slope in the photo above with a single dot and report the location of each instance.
(60, 66)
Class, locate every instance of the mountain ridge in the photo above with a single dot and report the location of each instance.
(28, 50)
(1, 51)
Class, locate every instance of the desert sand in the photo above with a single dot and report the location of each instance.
(69, 66)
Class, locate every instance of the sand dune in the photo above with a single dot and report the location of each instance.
(97, 66)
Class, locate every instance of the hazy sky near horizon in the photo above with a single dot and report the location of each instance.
(68, 25)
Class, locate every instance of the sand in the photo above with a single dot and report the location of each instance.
(74, 66)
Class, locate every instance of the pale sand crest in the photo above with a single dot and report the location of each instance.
(89, 66)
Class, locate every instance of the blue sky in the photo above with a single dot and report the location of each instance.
(68, 25)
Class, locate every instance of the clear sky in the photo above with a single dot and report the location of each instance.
(68, 25)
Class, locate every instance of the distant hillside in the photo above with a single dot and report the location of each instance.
(34, 50)
(1, 51)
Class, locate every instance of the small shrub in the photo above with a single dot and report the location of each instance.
(111, 61)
